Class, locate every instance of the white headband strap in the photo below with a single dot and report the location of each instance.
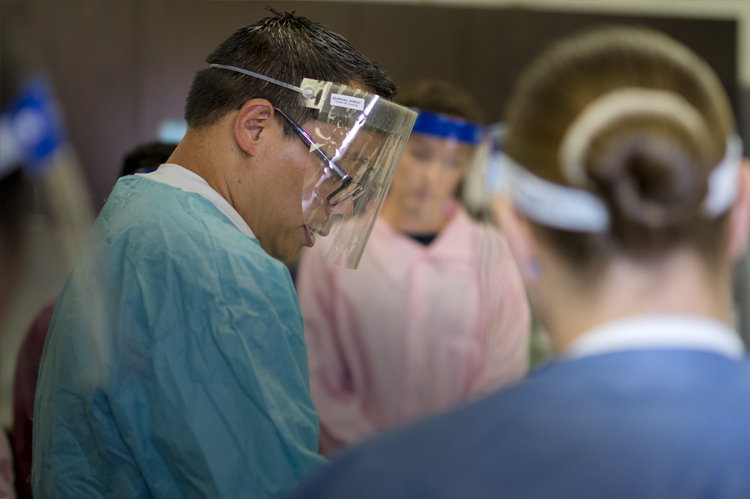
(723, 182)
(552, 204)
(578, 210)
(611, 107)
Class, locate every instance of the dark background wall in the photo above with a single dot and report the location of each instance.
(120, 67)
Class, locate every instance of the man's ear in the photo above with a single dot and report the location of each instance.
(739, 215)
(255, 116)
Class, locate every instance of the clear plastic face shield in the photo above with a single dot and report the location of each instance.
(492, 173)
(355, 139)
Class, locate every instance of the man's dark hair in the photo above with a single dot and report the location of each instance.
(288, 49)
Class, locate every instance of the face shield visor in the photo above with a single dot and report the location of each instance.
(355, 139)
(492, 175)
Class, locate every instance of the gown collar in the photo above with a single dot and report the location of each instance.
(396, 254)
(188, 181)
(673, 332)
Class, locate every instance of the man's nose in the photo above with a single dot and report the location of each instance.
(344, 208)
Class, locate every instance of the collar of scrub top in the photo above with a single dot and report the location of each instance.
(349, 187)
(658, 332)
(445, 126)
(184, 179)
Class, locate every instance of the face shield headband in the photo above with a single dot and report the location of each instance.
(579, 210)
(447, 127)
(355, 140)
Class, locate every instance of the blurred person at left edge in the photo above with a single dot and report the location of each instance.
(14, 206)
(175, 365)
(31, 138)
(144, 158)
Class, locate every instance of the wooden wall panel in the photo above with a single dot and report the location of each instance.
(122, 66)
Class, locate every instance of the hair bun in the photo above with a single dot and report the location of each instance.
(644, 151)
(648, 177)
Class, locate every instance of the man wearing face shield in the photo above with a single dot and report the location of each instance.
(175, 365)
(436, 315)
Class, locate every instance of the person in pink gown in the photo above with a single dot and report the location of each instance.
(436, 313)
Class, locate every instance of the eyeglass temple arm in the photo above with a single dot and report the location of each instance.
(316, 148)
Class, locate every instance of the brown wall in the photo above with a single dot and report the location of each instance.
(120, 67)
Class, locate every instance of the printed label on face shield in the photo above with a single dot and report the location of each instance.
(348, 102)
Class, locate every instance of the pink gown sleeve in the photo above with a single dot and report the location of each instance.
(336, 390)
(507, 323)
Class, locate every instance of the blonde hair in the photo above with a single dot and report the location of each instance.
(639, 120)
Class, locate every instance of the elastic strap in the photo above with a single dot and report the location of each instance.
(306, 92)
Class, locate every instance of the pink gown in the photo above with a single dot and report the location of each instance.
(414, 331)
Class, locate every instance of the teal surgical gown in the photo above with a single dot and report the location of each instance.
(175, 365)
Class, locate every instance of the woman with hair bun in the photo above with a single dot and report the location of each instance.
(627, 203)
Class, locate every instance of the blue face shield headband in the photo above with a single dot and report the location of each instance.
(447, 127)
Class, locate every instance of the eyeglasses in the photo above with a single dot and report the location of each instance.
(349, 188)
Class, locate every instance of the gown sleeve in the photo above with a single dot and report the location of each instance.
(507, 321)
(175, 371)
(336, 392)
(226, 410)
(6, 469)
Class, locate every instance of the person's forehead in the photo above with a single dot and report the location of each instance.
(427, 139)
(331, 132)
(368, 139)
